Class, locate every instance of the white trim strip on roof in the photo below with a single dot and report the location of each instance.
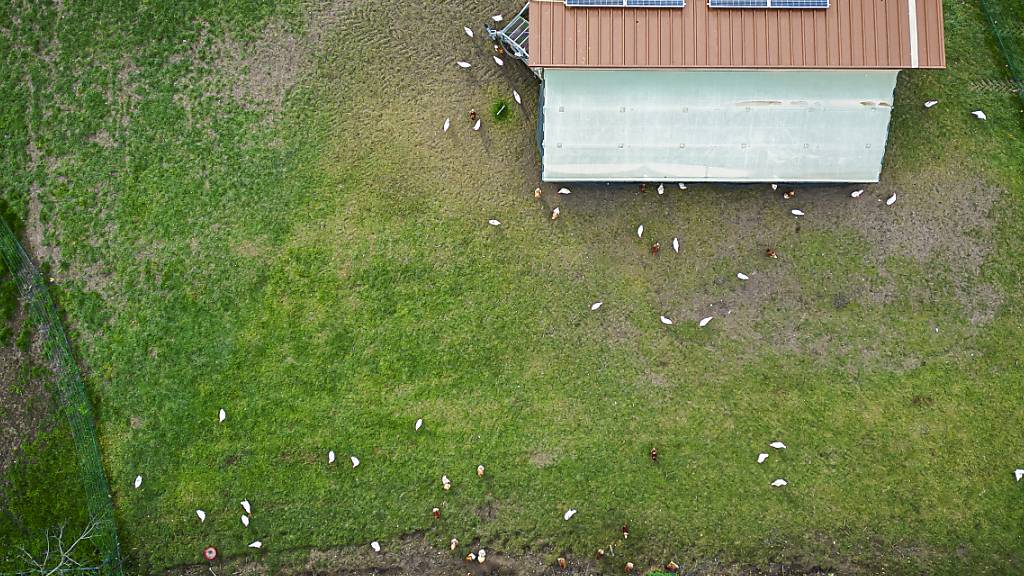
(912, 5)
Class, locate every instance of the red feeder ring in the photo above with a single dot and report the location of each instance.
(210, 553)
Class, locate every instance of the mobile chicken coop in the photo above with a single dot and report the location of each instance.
(721, 90)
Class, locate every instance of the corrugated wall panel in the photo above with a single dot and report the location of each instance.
(715, 125)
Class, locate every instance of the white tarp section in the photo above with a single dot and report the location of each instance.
(715, 125)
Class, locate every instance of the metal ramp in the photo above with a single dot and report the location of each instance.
(515, 36)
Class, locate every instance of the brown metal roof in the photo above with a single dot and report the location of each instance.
(848, 34)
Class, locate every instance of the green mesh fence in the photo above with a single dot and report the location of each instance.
(71, 396)
(1006, 19)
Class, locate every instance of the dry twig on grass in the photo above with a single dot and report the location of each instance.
(58, 556)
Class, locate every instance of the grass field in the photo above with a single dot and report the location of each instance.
(40, 488)
(251, 206)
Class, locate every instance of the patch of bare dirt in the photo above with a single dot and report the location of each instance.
(263, 72)
(260, 73)
(24, 401)
(249, 248)
(102, 138)
(543, 459)
(487, 511)
(36, 230)
(411, 555)
(415, 555)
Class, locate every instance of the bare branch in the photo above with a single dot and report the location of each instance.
(55, 546)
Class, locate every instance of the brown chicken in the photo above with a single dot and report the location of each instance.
(625, 530)
(599, 554)
(561, 563)
(643, 187)
(629, 568)
(654, 454)
(788, 195)
(655, 248)
(437, 513)
(672, 567)
(536, 194)
(770, 253)
(472, 115)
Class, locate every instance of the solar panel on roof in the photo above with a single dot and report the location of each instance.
(656, 3)
(628, 3)
(799, 3)
(595, 2)
(768, 3)
(738, 3)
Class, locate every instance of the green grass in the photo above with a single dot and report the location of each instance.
(43, 492)
(325, 273)
(502, 110)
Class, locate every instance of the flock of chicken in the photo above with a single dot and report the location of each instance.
(480, 556)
